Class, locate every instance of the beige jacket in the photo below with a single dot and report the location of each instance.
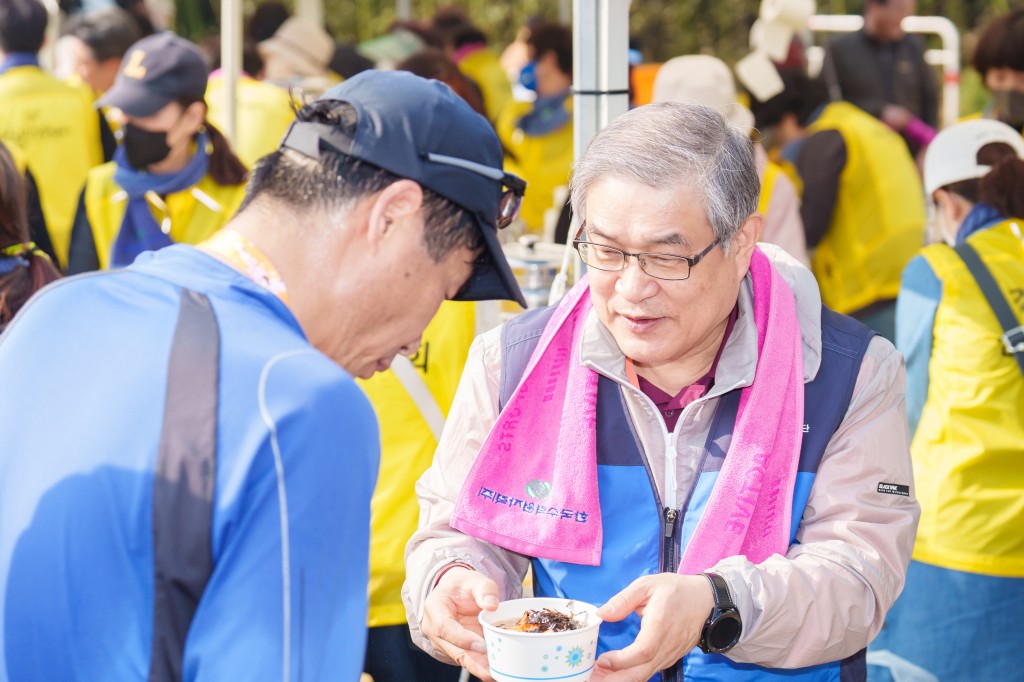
(827, 598)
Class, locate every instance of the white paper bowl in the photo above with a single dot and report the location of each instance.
(521, 656)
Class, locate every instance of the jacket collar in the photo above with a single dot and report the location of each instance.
(735, 369)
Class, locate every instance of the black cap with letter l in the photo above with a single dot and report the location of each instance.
(157, 70)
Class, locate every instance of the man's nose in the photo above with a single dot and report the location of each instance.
(633, 284)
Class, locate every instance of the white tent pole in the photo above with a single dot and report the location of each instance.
(600, 66)
(600, 80)
(950, 60)
(231, 63)
(313, 10)
(48, 53)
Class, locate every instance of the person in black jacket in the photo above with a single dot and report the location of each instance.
(882, 70)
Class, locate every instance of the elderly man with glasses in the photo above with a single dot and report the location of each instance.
(689, 440)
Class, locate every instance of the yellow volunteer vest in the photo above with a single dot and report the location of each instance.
(878, 221)
(74, 81)
(484, 67)
(968, 450)
(56, 127)
(771, 174)
(18, 156)
(407, 449)
(264, 114)
(544, 161)
(193, 214)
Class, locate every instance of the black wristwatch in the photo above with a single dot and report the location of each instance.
(723, 627)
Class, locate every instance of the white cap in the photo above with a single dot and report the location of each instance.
(953, 154)
(702, 79)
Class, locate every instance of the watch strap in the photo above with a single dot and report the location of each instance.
(720, 590)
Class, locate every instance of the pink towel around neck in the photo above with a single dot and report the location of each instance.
(521, 497)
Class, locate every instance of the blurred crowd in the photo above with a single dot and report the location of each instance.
(859, 182)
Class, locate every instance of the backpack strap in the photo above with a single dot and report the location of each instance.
(1013, 332)
(519, 338)
(183, 484)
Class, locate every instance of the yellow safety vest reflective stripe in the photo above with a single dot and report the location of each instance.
(544, 161)
(407, 449)
(264, 114)
(968, 449)
(193, 214)
(878, 221)
(57, 128)
(484, 68)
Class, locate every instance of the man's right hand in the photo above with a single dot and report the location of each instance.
(450, 617)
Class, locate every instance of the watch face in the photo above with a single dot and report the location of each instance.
(724, 632)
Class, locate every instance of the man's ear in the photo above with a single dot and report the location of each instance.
(741, 248)
(394, 209)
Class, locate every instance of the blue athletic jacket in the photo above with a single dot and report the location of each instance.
(84, 420)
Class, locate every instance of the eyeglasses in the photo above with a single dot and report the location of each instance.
(513, 188)
(657, 265)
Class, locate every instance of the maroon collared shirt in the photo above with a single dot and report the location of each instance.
(672, 406)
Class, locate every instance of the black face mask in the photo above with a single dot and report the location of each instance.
(144, 147)
(1009, 107)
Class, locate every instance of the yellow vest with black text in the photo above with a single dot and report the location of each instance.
(407, 449)
(190, 215)
(968, 450)
(484, 68)
(264, 114)
(543, 161)
(76, 82)
(878, 221)
(57, 128)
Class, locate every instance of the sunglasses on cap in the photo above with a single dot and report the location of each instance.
(513, 188)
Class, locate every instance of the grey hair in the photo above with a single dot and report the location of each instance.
(666, 144)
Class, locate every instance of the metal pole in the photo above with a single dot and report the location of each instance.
(600, 81)
(564, 11)
(48, 54)
(950, 36)
(313, 10)
(403, 10)
(231, 63)
(600, 66)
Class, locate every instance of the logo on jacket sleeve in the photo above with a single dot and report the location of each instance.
(894, 489)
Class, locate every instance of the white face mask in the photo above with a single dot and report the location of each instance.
(943, 233)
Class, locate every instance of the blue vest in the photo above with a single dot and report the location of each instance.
(642, 536)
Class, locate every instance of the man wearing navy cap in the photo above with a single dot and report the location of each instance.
(185, 480)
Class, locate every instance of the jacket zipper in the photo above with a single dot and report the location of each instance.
(668, 547)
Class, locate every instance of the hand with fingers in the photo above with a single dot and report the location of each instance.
(450, 617)
(672, 608)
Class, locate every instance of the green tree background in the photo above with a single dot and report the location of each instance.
(663, 28)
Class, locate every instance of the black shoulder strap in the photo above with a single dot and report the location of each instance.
(183, 484)
(1013, 331)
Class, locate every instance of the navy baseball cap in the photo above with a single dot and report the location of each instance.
(156, 71)
(421, 130)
